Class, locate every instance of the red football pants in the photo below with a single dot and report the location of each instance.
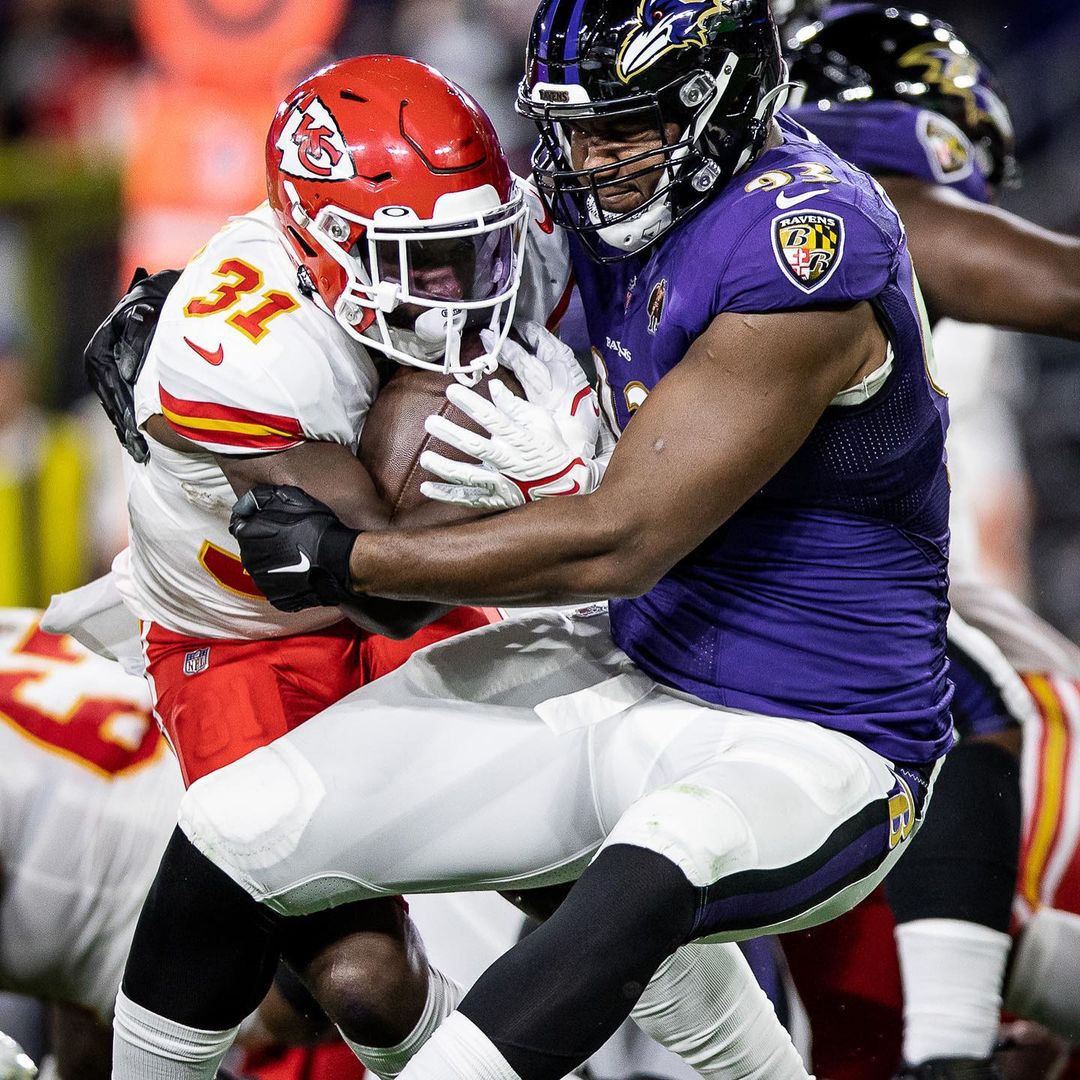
(218, 700)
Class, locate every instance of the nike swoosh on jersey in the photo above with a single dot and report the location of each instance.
(213, 358)
(301, 566)
(783, 202)
(546, 223)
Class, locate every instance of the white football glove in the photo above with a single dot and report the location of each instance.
(553, 379)
(539, 447)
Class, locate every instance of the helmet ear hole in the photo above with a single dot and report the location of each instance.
(301, 242)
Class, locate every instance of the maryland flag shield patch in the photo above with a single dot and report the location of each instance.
(809, 247)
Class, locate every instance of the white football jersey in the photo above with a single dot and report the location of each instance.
(547, 280)
(88, 797)
(242, 363)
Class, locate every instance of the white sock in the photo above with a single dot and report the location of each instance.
(150, 1047)
(705, 1005)
(388, 1062)
(952, 973)
(1045, 976)
(459, 1050)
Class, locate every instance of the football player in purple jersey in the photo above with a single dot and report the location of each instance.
(901, 96)
(747, 740)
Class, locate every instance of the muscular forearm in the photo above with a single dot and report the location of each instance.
(980, 264)
(327, 471)
(1039, 295)
(554, 551)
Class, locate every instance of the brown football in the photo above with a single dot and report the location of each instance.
(393, 439)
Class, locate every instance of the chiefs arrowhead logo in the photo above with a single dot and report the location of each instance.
(311, 144)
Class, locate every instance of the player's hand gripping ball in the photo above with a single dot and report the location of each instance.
(294, 547)
(394, 439)
(15, 1063)
(537, 447)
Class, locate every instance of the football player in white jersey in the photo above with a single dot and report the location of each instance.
(394, 228)
(88, 796)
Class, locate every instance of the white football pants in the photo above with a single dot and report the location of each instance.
(505, 758)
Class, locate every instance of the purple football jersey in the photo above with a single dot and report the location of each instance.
(898, 139)
(824, 597)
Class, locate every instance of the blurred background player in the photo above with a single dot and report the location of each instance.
(924, 140)
(88, 792)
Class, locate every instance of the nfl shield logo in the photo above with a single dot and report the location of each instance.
(809, 247)
(197, 660)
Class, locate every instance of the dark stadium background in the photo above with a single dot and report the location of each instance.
(72, 76)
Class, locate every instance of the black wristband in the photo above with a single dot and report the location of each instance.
(335, 548)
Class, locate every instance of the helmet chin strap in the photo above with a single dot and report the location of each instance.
(638, 230)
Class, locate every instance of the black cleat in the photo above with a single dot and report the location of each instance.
(951, 1069)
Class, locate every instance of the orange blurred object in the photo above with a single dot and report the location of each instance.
(244, 45)
(189, 165)
(194, 154)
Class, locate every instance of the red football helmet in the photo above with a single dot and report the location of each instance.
(397, 201)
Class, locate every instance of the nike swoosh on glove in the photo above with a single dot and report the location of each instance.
(294, 547)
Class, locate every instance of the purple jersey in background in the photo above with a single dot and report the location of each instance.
(895, 138)
(824, 597)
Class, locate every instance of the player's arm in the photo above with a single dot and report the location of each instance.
(336, 477)
(330, 471)
(981, 264)
(710, 434)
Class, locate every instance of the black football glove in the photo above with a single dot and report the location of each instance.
(115, 354)
(294, 547)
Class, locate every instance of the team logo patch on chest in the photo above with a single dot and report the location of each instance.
(655, 309)
(809, 247)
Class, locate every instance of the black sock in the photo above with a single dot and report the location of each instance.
(204, 951)
(963, 862)
(559, 994)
